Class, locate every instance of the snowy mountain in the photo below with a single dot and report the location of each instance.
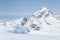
(42, 22)
(13, 26)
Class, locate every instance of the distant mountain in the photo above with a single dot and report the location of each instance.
(13, 26)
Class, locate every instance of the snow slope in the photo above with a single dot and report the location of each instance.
(27, 37)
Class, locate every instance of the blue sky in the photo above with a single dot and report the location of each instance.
(27, 7)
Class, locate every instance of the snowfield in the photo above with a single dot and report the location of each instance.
(27, 37)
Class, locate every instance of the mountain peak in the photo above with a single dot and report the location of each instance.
(43, 12)
(43, 9)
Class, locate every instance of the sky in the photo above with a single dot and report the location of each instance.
(27, 7)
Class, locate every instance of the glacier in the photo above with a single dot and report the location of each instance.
(43, 24)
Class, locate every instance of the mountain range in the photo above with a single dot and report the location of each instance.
(42, 22)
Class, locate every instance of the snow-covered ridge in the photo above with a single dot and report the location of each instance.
(12, 25)
(42, 22)
(12, 22)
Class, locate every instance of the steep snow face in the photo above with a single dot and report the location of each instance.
(43, 22)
